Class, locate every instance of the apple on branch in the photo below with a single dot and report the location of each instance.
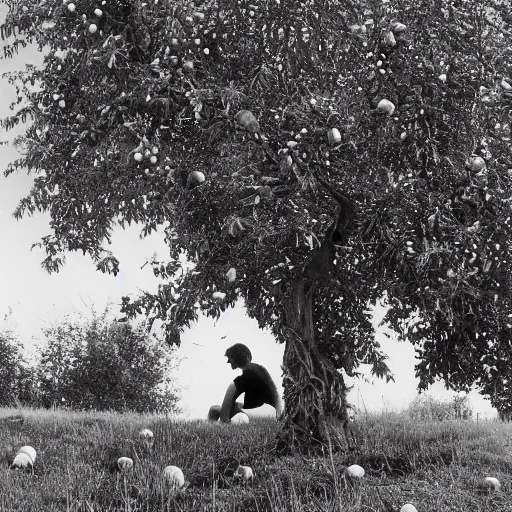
(194, 179)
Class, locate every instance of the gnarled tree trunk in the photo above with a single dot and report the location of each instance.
(313, 389)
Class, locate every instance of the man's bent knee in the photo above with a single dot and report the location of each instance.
(214, 413)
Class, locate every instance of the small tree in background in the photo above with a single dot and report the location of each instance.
(58, 363)
(104, 365)
(16, 377)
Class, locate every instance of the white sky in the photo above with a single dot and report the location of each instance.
(37, 299)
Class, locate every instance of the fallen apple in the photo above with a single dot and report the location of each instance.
(98, 12)
(137, 157)
(408, 507)
(355, 471)
(195, 178)
(71, 7)
(93, 28)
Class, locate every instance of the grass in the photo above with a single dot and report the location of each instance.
(435, 466)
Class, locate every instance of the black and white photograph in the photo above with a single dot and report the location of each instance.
(256, 256)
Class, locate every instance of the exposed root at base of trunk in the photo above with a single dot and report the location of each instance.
(292, 440)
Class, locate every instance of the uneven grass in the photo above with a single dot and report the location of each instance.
(435, 466)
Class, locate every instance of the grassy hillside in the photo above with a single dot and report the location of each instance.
(435, 466)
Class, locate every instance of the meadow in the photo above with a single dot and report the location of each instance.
(436, 466)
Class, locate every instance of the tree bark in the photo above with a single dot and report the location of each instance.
(314, 390)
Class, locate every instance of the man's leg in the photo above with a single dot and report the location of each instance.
(237, 407)
(214, 412)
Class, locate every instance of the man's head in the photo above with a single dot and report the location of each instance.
(238, 355)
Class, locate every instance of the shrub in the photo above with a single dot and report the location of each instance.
(105, 365)
(426, 407)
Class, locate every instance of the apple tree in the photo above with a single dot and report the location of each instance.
(308, 157)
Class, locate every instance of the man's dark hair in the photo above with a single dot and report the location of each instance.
(240, 354)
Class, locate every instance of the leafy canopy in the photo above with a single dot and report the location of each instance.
(133, 97)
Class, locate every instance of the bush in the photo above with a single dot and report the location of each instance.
(425, 407)
(102, 365)
(17, 379)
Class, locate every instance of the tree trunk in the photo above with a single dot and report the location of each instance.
(314, 390)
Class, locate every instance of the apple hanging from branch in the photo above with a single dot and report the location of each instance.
(194, 179)
(385, 107)
(476, 163)
(334, 136)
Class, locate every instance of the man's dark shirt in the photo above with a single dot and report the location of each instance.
(258, 386)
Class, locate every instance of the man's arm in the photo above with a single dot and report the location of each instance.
(228, 403)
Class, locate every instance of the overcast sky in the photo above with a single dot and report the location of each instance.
(37, 299)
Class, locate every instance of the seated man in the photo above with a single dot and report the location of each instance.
(255, 382)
